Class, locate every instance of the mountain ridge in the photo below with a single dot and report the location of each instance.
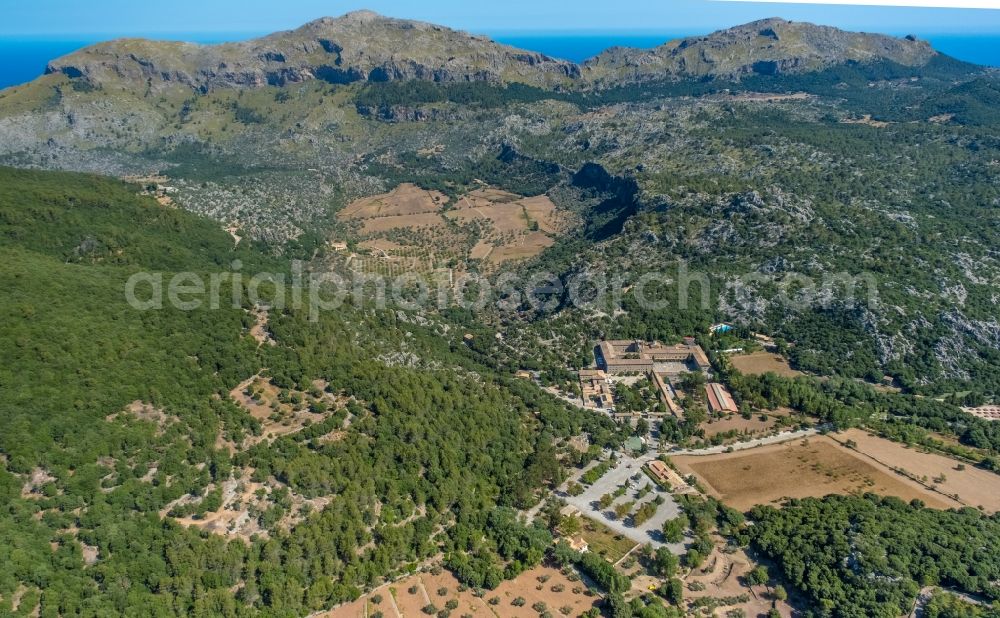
(764, 47)
(366, 46)
(358, 46)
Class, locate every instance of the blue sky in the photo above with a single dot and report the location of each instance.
(61, 18)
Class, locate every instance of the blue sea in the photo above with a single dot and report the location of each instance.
(976, 48)
(23, 59)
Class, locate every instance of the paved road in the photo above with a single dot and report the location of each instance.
(560, 492)
(749, 444)
(622, 474)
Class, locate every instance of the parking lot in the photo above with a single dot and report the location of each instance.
(624, 475)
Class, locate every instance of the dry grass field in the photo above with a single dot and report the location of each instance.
(145, 412)
(753, 426)
(526, 246)
(817, 466)
(406, 199)
(973, 486)
(488, 225)
(241, 499)
(757, 363)
(407, 597)
(376, 225)
(868, 120)
(382, 244)
(259, 330)
(277, 418)
(605, 541)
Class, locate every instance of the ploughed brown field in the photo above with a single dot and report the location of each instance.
(758, 363)
(407, 597)
(814, 467)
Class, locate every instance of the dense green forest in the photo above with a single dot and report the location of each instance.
(437, 449)
(869, 556)
(847, 82)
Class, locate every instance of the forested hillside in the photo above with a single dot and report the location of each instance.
(868, 556)
(426, 455)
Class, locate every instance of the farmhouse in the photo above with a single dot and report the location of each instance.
(659, 470)
(719, 399)
(634, 356)
(665, 475)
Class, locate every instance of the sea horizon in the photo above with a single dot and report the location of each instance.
(25, 57)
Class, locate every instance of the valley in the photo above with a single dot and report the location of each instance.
(736, 352)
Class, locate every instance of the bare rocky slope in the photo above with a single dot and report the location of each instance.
(765, 47)
(355, 47)
(364, 46)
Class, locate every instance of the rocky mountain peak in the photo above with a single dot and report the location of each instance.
(767, 46)
(361, 15)
(358, 46)
(366, 46)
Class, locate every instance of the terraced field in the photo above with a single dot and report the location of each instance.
(487, 226)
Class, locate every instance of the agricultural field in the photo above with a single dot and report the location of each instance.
(750, 427)
(815, 467)
(487, 225)
(758, 363)
(406, 199)
(408, 597)
(721, 577)
(974, 486)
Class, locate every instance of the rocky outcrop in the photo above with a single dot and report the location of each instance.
(618, 200)
(359, 46)
(407, 113)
